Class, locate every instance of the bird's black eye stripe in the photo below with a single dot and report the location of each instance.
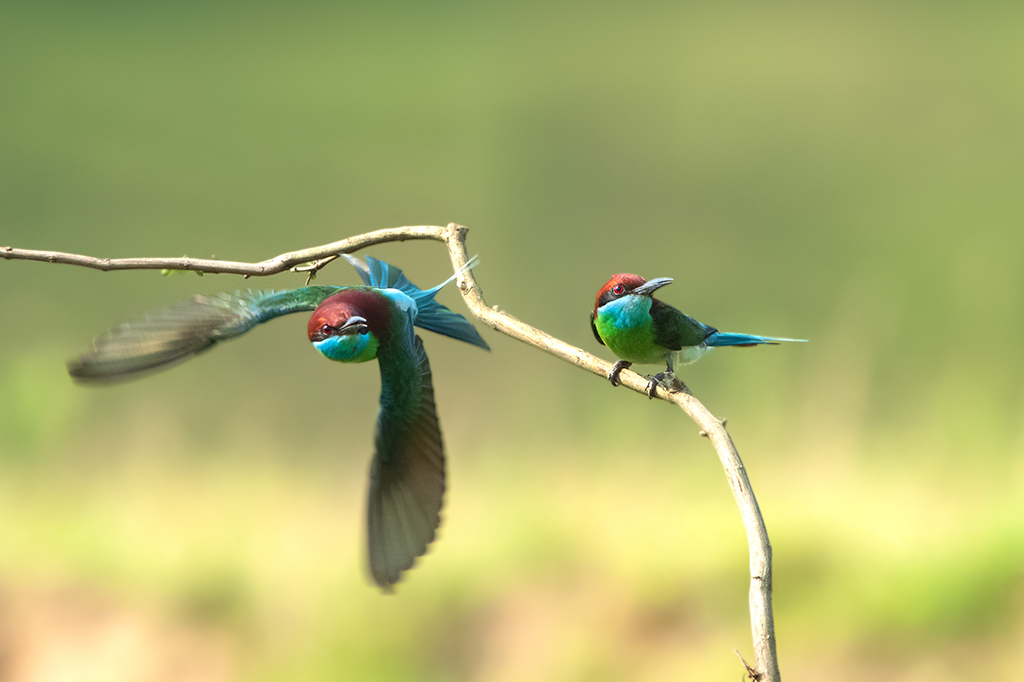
(607, 297)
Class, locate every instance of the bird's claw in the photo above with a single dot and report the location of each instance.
(613, 373)
(668, 381)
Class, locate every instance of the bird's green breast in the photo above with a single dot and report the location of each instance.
(626, 327)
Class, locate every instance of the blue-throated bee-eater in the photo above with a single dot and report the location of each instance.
(642, 330)
(348, 324)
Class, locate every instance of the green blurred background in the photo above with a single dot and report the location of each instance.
(847, 173)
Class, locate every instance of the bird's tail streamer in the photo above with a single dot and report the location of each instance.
(719, 339)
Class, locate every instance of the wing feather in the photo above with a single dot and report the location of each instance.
(407, 476)
(675, 330)
(165, 338)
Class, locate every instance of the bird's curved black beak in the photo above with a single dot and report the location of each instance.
(354, 325)
(650, 287)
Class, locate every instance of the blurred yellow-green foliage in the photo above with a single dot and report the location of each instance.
(844, 172)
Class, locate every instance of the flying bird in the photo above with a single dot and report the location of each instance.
(640, 329)
(348, 324)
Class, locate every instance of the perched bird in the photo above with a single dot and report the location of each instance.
(641, 329)
(349, 324)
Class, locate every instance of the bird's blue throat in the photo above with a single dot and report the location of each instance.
(349, 348)
(628, 312)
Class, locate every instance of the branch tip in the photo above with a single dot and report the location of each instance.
(751, 672)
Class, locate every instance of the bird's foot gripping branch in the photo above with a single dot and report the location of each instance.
(393, 559)
(669, 381)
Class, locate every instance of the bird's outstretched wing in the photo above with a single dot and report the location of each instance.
(163, 339)
(407, 474)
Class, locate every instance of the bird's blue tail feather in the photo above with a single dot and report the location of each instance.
(430, 314)
(719, 339)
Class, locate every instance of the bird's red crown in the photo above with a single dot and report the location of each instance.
(625, 280)
(354, 301)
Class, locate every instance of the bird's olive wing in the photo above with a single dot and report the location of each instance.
(675, 330)
(407, 475)
(165, 338)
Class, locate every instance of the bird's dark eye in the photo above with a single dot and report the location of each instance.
(618, 289)
(363, 331)
(325, 330)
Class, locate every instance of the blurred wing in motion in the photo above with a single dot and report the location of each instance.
(163, 339)
(407, 474)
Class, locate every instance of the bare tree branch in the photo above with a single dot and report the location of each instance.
(272, 266)
(454, 237)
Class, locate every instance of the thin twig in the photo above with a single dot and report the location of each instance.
(454, 237)
(316, 266)
(751, 673)
(268, 267)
